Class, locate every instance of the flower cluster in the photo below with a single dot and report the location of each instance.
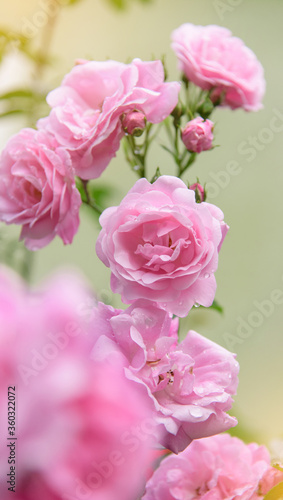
(110, 384)
(67, 448)
(189, 384)
(91, 112)
(219, 467)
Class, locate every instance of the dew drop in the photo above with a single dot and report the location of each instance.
(207, 275)
(137, 151)
(196, 304)
(136, 167)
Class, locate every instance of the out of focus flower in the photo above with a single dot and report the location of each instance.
(82, 428)
(215, 468)
(88, 107)
(189, 384)
(197, 135)
(163, 246)
(212, 58)
(37, 189)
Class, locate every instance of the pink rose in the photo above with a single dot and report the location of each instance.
(189, 384)
(38, 190)
(82, 427)
(197, 135)
(88, 107)
(163, 246)
(215, 468)
(212, 58)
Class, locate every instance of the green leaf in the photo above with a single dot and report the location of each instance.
(80, 188)
(72, 2)
(215, 306)
(11, 112)
(168, 150)
(275, 493)
(278, 467)
(156, 175)
(100, 193)
(22, 93)
(119, 4)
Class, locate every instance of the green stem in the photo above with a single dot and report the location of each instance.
(137, 159)
(190, 161)
(89, 201)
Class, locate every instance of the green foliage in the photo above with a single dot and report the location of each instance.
(122, 4)
(275, 493)
(72, 2)
(11, 40)
(215, 306)
(94, 195)
(14, 254)
(23, 101)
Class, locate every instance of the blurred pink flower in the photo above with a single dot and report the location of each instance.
(82, 427)
(197, 135)
(215, 468)
(38, 189)
(88, 107)
(189, 384)
(163, 246)
(212, 58)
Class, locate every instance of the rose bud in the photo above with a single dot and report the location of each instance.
(199, 192)
(197, 135)
(134, 123)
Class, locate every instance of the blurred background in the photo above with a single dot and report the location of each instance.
(39, 42)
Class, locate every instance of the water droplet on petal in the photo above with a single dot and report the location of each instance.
(196, 304)
(207, 275)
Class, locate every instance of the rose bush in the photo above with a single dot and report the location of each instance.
(212, 58)
(38, 190)
(214, 468)
(163, 246)
(189, 384)
(89, 106)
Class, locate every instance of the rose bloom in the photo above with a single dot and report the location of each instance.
(189, 384)
(212, 58)
(197, 135)
(90, 105)
(163, 246)
(38, 190)
(75, 419)
(215, 468)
